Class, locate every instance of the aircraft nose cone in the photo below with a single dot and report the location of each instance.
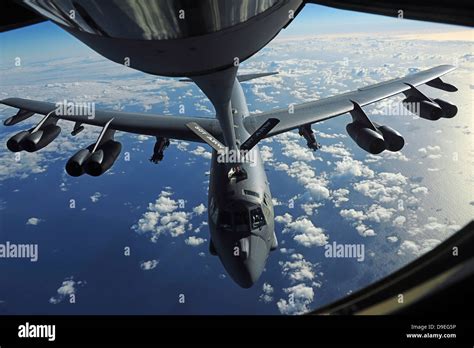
(253, 263)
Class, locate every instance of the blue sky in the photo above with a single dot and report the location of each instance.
(48, 40)
(316, 19)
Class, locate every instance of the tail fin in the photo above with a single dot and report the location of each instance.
(248, 77)
(243, 78)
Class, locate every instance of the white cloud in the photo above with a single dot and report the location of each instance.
(284, 219)
(142, 137)
(201, 152)
(164, 204)
(384, 187)
(431, 152)
(297, 269)
(330, 136)
(163, 217)
(351, 167)
(339, 196)
(305, 233)
(352, 214)
(267, 295)
(33, 221)
(392, 239)
(386, 155)
(420, 190)
(310, 207)
(294, 150)
(379, 214)
(299, 298)
(267, 153)
(149, 265)
(375, 213)
(337, 150)
(95, 197)
(306, 176)
(363, 230)
(417, 248)
(399, 221)
(194, 241)
(182, 145)
(433, 226)
(200, 209)
(66, 290)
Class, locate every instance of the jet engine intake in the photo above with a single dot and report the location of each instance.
(423, 108)
(393, 140)
(449, 110)
(41, 138)
(14, 144)
(103, 158)
(75, 165)
(366, 138)
(33, 141)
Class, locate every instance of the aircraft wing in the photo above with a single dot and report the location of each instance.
(316, 111)
(173, 127)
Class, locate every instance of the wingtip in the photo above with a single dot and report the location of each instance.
(448, 67)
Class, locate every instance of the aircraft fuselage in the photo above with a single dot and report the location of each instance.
(241, 216)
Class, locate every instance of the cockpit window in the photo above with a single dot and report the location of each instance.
(251, 193)
(257, 219)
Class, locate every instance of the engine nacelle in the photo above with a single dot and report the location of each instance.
(103, 158)
(393, 140)
(366, 138)
(39, 139)
(75, 165)
(14, 144)
(423, 108)
(449, 110)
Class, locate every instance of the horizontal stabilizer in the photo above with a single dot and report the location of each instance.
(248, 77)
(243, 78)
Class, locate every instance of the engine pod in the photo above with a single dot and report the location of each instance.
(367, 139)
(14, 144)
(103, 158)
(449, 110)
(75, 165)
(393, 140)
(41, 138)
